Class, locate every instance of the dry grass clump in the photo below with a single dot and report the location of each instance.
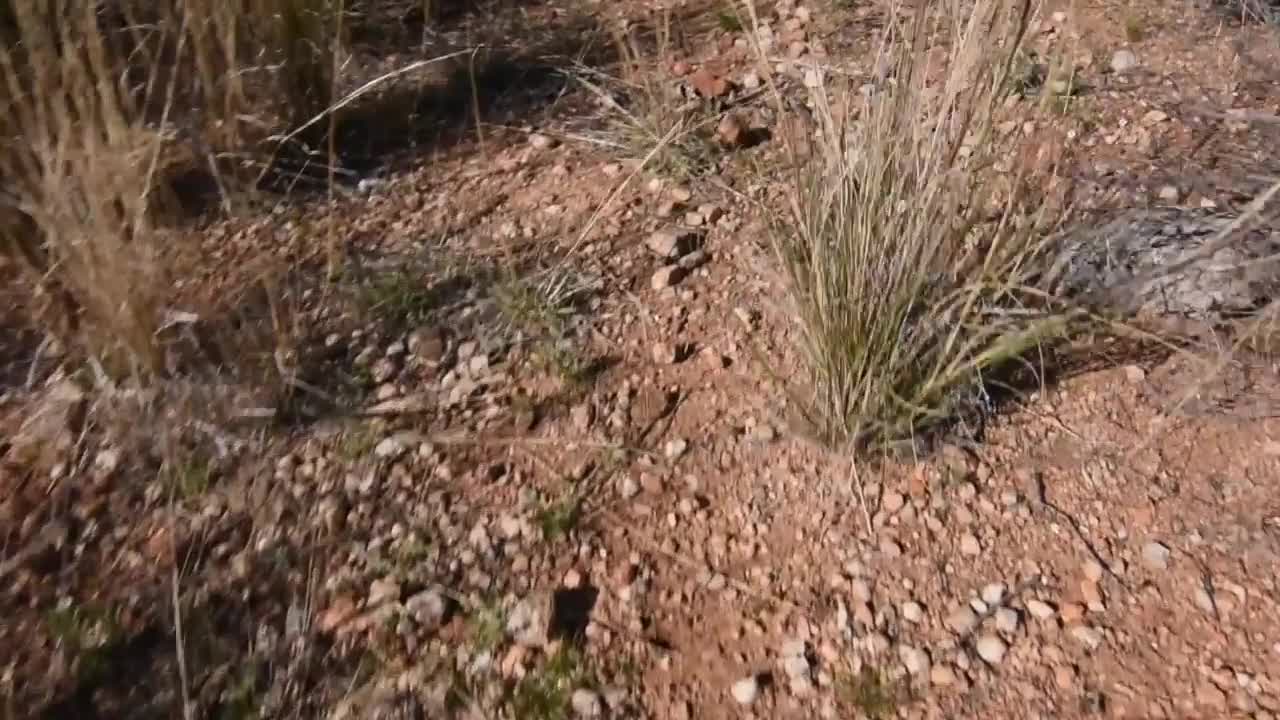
(909, 259)
(646, 117)
(1267, 11)
(101, 105)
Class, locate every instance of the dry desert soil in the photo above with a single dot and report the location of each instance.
(567, 478)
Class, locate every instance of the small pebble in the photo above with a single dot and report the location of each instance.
(1156, 556)
(993, 593)
(991, 649)
(586, 703)
(963, 620)
(1123, 61)
(912, 612)
(915, 660)
(1087, 636)
(746, 690)
(1040, 609)
(1007, 620)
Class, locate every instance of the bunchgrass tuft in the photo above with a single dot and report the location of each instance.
(909, 251)
(643, 109)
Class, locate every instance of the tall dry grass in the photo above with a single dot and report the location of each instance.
(909, 258)
(101, 105)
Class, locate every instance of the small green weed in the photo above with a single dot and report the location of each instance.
(729, 21)
(646, 115)
(190, 478)
(1133, 30)
(545, 693)
(357, 443)
(873, 694)
(401, 295)
(542, 311)
(488, 627)
(242, 699)
(560, 517)
(90, 636)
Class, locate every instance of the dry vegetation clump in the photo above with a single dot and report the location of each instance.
(911, 260)
(99, 116)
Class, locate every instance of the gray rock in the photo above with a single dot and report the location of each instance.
(915, 660)
(428, 608)
(796, 667)
(993, 593)
(1123, 61)
(529, 621)
(1155, 556)
(586, 703)
(1124, 265)
(664, 244)
(1007, 620)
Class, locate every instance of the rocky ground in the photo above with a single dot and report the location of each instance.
(572, 484)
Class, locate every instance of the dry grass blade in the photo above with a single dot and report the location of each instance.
(909, 260)
(98, 115)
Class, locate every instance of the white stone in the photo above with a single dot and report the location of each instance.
(993, 594)
(746, 690)
(586, 703)
(1007, 620)
(991, 649)
(912, 612)
(1040, 610)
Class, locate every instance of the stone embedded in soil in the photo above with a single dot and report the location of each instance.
(1123, 61)
(628, 486)
(993, 593)
(671, 243)
(1155, 556)
(991, 649)
(942, 675)
(428, 608)
(1040, 609)
(912, 612)
(969, 544)
(890, 548)
(1204, 600)
(667, 276)
(1091, 638)
(529, 620)
(1007, 620)
(382, 591)
(664, 353)
(893, 502)
(963, 620)
(541, 142)
(746, 690)
(915, 660)
(586, 703)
